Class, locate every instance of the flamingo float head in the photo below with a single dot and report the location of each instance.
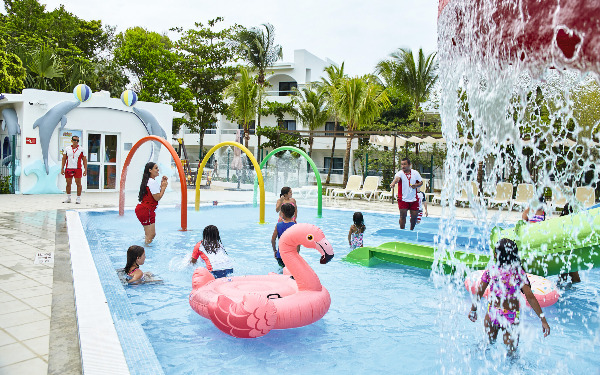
(310, 236)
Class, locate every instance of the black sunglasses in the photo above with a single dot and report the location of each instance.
(75, 140)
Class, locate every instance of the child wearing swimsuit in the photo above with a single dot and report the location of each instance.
(287, 210)
(286, 197)
(212, 252)
(355, 235)
(136, 256)
(505, 279)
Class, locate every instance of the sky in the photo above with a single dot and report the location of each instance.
(359, 33)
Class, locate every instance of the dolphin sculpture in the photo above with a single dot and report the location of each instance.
(11, 121)
(48, 122)
(153, 128)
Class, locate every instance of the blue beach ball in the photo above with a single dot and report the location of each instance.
(129, 97)
(82, 92)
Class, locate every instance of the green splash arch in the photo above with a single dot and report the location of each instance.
(313, 166)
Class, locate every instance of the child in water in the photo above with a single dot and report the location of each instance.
(355, 235)
(286, 197)
(136, 256)
(505, 279)
(287, 211)
(212, 252)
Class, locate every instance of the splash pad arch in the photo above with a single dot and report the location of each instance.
(256, 168)
(179, 170)
(312, 165)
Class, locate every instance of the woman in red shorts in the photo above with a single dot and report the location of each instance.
(151, 191)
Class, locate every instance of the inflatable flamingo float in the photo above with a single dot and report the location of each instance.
(251, 306)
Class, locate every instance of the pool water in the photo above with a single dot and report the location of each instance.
(386, 319)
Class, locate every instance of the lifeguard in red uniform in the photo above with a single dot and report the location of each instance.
(408, 181)
(74, 160)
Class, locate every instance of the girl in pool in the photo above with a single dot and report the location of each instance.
(286, 197)
(151, 191)
(506, 278)
(355, 235)
(136, 256)
(212, 252)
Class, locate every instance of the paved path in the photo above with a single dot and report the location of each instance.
(29, 225)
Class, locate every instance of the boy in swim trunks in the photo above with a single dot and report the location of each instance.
(505, 279)
(287, 211)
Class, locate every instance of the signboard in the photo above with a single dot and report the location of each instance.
(64, 139)
(44, 258)
(30, 141)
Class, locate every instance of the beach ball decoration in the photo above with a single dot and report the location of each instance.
(129, 97)
(82, 92)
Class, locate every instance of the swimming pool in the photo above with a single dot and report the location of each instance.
(388, 318)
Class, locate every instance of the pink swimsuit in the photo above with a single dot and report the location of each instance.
(504, 284)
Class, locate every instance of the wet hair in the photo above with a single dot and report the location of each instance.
(284, 191)
(133, 253)
(211, 240)
(288, 210)
(359, 221)
(567, 210)
(542, 198)
(406, 159)
(507, 253)
(145, 178)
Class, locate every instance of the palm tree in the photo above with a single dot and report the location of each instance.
(258, 48)
(311, 109)
(360, 102)
(245, 95)
(43, 66)
(329, 86)
(414, 79)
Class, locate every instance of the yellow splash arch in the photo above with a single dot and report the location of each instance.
(261, 184)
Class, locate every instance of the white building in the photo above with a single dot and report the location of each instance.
(283, 76)
(107, 128)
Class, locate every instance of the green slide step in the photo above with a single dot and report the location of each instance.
(559, 245)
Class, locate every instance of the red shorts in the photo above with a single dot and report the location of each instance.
(413, 206)
(70, 173)
(145, 215)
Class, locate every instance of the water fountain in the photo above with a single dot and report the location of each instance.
(512, 76)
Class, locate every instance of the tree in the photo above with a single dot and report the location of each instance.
(12, 72)
(43, 66)
(205, 66)
(258, 48)
(360, 101)
(312, 110)
(415, 79)
(245, 95)
(330, 86)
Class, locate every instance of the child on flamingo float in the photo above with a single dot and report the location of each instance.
(287, 215)
(212, 252)
(355, 235)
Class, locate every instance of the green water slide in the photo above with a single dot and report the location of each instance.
(559, 245)
(312, 165)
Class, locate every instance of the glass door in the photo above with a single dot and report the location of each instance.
(102, 155)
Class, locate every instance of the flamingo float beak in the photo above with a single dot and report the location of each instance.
(326, 250)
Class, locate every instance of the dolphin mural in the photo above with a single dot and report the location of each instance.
(153, 128)
(11, 121)
(48, 122)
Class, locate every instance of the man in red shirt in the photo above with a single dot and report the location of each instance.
(74, 159)
(408, 181)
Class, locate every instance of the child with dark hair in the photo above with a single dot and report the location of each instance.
(284, 198)
(287, 211)
(355, 235)
(506, 278)
(151, 191)
(212, 252)
(136, 256)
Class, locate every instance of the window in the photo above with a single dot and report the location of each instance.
(337, 167)
(331, 126)
(287, 88)
(288, 125)
(251, 127)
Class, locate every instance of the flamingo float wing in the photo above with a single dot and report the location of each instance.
(254, 317)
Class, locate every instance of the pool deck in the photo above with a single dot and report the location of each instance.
(37, 299)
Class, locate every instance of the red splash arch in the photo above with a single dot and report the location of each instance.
(179, 170)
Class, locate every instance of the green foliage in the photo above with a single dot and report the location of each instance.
(277, 139)
(12, 72)
(258, 48)
(279, 110)
(311, 108)
(4, 184)
(245, 94)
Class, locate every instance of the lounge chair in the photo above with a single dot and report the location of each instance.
(558, 201)
(465, 194)
(353, 184)
(504, 191)
(525, 192)
(388, 194)
(369, 189)
(586, 196)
